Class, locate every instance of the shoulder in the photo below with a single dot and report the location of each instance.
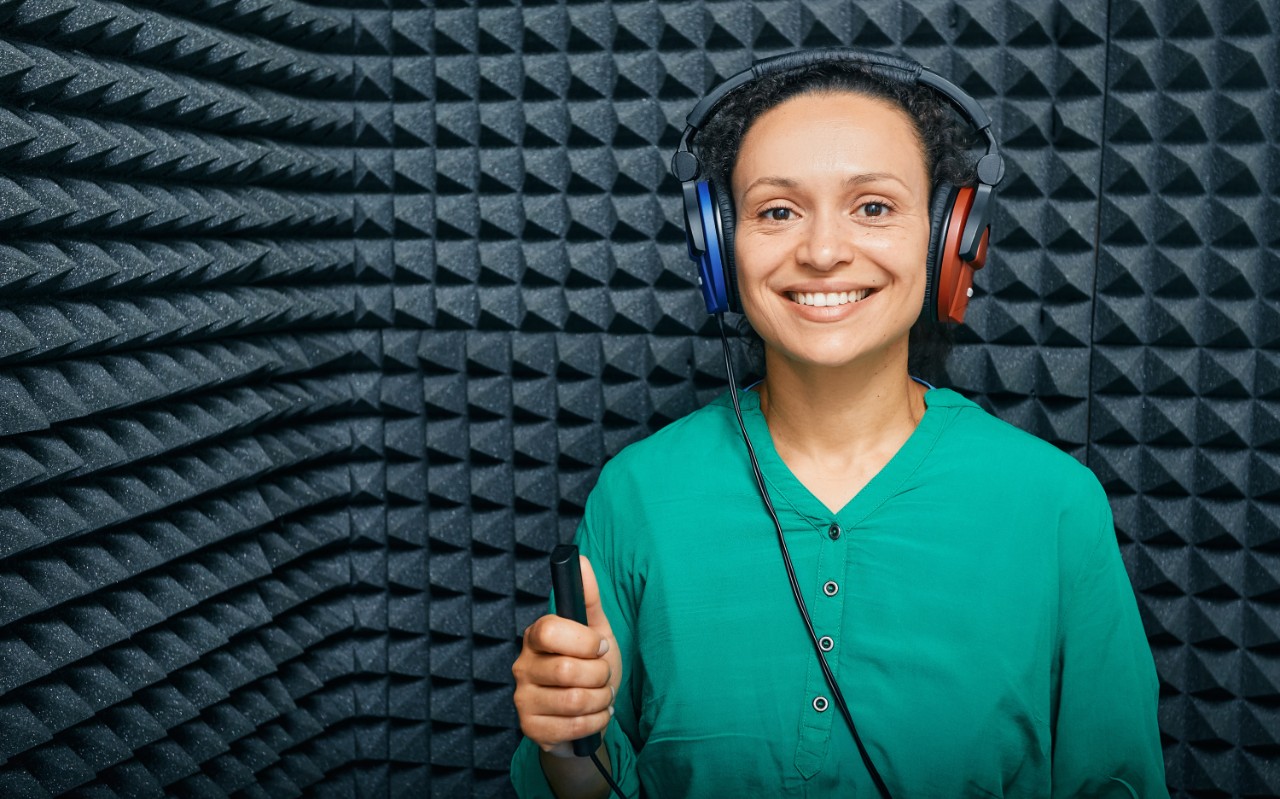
(674, 473)
(651, 491)
(1006, 457)
(687, 447)
(1011, 483)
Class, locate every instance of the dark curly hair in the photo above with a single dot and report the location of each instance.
(943, 139)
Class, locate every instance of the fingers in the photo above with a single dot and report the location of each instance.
(560, 671)
(551, 731)
(552, 715)
(552, 635)
(567, 702)
(567, 674)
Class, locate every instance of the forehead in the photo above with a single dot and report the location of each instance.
(834, 126)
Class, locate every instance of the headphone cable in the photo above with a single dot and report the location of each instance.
(791, 573)
(604, 772)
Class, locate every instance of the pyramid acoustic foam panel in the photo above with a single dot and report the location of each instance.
(318, 321)
(1185, 370)
(205, 585)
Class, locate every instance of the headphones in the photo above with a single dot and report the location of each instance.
(959, 216)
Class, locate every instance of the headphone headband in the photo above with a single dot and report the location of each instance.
(881, 64)
(884, 65)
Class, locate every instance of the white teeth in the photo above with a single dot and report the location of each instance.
(819, 299)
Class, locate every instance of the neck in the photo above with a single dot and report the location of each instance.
(840, 415)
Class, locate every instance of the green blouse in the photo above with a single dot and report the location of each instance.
(984, 632)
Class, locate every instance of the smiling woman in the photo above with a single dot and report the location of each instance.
(958, 578)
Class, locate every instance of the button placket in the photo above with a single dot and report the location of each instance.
(826, 607)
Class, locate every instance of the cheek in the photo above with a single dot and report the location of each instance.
(753, 260)
(901, 243)
(753, 273)
(904, 255)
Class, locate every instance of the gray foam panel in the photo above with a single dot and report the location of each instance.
(317, 322)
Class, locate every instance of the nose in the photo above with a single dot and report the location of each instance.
(828, 242)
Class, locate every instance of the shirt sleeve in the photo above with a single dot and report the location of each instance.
(1106, 737)
(612, 565)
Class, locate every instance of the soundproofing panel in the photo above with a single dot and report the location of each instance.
(318, 321)
(204, 587)
(1185, 411)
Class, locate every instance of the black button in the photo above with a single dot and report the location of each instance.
(834, 531)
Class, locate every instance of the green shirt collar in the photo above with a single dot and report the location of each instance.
(789, 495)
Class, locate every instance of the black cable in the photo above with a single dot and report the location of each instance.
(604, 772)
(791, 572)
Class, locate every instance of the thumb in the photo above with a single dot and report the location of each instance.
(598, 622)
(596, 619)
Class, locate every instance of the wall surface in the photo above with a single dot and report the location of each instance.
(317, 321)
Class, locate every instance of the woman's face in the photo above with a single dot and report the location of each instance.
(832, 199)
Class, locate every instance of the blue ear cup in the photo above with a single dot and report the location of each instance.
(725, 214)
(705, 238)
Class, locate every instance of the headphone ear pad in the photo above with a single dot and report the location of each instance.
(944, 197)
(724, 205)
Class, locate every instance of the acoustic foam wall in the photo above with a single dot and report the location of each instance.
(1185, 418)
(317, 322)
(194, 584)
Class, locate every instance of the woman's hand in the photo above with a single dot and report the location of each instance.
(567, 675)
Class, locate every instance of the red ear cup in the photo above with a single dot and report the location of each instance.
(954, 276)
(942, 200)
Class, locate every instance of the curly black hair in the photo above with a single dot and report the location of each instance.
(944, 142)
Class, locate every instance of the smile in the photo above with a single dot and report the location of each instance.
(820, 299)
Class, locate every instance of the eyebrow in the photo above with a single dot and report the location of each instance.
(852, 180)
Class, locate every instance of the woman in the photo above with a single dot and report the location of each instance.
(963, 576)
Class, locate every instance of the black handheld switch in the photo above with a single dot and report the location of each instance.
(566, 586)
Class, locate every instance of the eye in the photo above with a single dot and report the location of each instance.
(874, 209)
(778, 214)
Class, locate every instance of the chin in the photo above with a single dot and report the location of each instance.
(841, 351)
(833, 357)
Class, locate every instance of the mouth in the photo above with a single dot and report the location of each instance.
(819, 299)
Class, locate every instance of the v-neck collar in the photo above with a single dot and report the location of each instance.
(787, 490)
